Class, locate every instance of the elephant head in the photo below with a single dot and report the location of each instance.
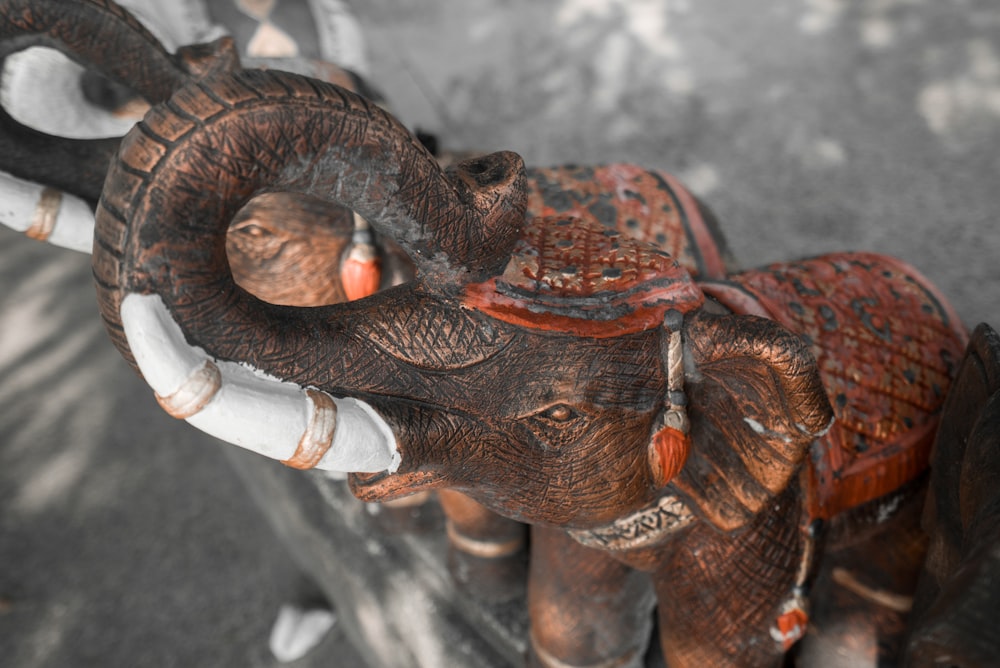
(554, 370)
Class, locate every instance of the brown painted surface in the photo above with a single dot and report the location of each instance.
(539, 423)
(958, 600)
(587, 608)
(286, 249)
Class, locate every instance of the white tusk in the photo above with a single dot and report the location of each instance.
(41, 89)
(46, 214)
(247, 408)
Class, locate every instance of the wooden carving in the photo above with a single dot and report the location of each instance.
(958, 599)
(554, 369)
(284, 247)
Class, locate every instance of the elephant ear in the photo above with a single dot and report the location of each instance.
(756, 403)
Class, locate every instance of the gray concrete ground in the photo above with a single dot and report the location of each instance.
(808, 125)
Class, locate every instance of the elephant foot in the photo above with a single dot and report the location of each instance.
(538, 657)
(487, 555)
(490, 570)
(863, 593)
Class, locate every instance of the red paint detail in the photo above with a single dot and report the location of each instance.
(360, 278)
(714, 266)
(884, 340)
(792, 626)
(671, 448)
(735, 299)
(578, 277)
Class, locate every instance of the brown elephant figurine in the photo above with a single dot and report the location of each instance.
(281, 246)
(958, 599)
(555, 370)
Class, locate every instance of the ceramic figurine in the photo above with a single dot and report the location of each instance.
(555, 370)
(78, 167)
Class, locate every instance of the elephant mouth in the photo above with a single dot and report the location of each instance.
(385, 486)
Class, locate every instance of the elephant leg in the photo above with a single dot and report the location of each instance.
(863, 591)
(956, 606)
(486, 552)
(720, 596)
(586, 608)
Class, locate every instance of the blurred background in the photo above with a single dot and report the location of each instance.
(808, 126)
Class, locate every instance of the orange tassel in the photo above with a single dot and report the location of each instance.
(361, 272)
(670, 448)
(791, 626)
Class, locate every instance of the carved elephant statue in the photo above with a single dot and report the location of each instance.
(280, 244)
(553, 369)
(78, 166)
(51, 181)
(958, 599)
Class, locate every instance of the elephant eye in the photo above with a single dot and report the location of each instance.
(254, 230)
(557, 426)
(558, 413)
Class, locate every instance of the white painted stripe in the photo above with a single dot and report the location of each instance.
(252, 410)
(19, 199)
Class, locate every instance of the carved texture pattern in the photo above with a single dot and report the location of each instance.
(237, 136)
(578, 276)
(565, 258)
(643, 204)
(887, 348)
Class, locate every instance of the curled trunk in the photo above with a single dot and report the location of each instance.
(213, 148)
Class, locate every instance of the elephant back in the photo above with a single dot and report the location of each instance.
(887, 344)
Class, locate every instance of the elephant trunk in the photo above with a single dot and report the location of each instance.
(187, 169)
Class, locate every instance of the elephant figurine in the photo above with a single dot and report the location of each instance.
(661, 434)
(126, 53)
(956, 602)
(280, 244)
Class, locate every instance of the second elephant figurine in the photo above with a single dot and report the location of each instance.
(555, 370)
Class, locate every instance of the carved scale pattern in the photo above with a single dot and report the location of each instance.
(644, 204)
